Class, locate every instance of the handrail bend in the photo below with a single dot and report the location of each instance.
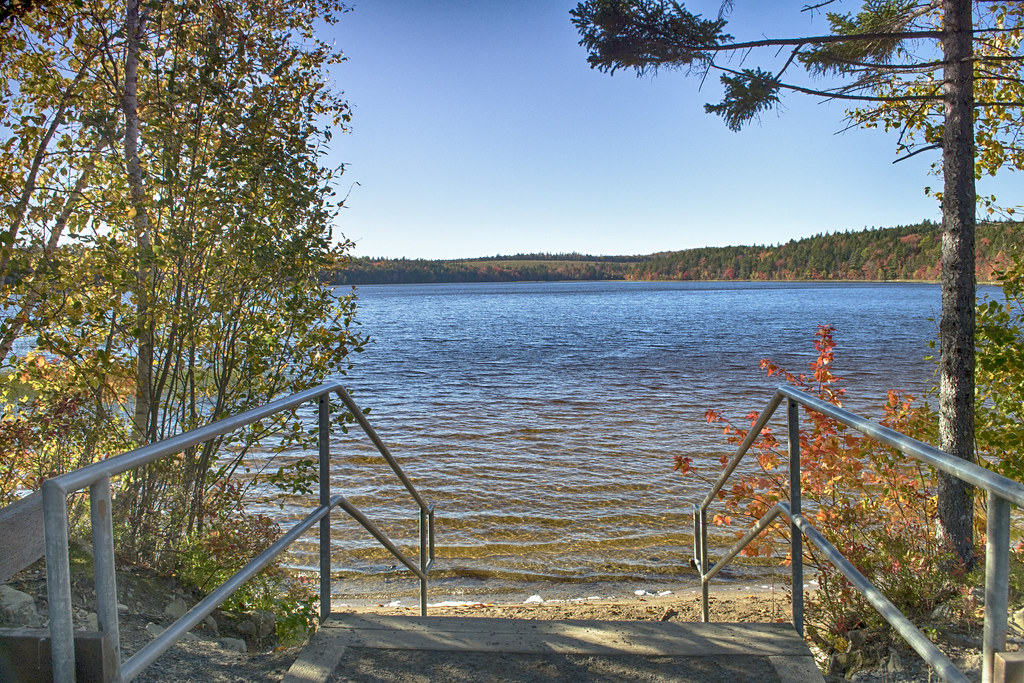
(1002, 492)
(96, 477)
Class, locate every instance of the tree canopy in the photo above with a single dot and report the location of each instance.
(168, 218)
(927, 67)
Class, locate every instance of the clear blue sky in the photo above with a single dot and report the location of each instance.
(479, 129)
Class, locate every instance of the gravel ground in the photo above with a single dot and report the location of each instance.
(213, 653)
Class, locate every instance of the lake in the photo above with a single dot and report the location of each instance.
(542, 419)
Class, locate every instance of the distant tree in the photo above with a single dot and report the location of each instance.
(877, 56)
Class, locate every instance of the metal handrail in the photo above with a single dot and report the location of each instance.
(97, 477)
(1002, 492)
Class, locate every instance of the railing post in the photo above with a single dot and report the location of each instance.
(430, 526)
(103, 567)
(700, 547)
(324, 438)
(423, 561)
(58, 582)
(997, 586)
(796, 551)
(697, 563)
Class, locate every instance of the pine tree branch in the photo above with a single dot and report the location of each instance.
(831, 40)
(812, 40)
(923, 67)
(839, 95)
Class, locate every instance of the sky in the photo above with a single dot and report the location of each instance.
(479, 129)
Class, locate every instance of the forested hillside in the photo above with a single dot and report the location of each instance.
(903, 253)
(909, 252)
(522, 267)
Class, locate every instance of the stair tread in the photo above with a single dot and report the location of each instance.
(575, 636)
(372, 647)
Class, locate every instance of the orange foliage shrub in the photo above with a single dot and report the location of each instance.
(874, 504)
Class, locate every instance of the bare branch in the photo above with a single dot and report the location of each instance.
(792, 58)
(811, 8)
(990, 76)
(937, 145)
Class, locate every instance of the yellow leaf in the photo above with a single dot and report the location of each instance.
(131, 213)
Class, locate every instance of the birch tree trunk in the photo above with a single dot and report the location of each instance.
(143, 416)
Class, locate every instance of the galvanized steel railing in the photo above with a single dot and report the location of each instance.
(1002, 492)
(97, 477)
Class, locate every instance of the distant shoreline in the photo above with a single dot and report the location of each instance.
(985, 283)
(901, 254)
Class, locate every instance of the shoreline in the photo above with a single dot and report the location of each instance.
(992, 283)
(732, 603)
(404, 591)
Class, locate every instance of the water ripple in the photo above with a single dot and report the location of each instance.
(542, 419)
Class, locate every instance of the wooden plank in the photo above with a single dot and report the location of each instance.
(25, 656)
(477, 634)
(21, 535)
(1008, 667)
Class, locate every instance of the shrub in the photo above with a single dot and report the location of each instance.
(874, 504)
(234, 537)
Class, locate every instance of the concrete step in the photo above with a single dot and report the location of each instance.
(370, 647)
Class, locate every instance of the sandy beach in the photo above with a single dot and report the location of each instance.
(727, 603)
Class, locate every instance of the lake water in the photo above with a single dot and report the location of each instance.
(542, 419)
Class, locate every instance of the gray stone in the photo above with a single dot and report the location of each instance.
(154, 629)
(92, 622)
(1017, 620)
(247, 627)
(176, 609)
(265, 621)
(121, 607)
(836, 664)
(942, 612)
(857, 638)
(18, 609)
(234, 645)
(895, 663)
(211, 625)
(854, 663)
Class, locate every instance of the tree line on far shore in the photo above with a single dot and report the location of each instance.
(909, 252)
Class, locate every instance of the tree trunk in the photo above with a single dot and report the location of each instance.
(956, 329)
(143, 417)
